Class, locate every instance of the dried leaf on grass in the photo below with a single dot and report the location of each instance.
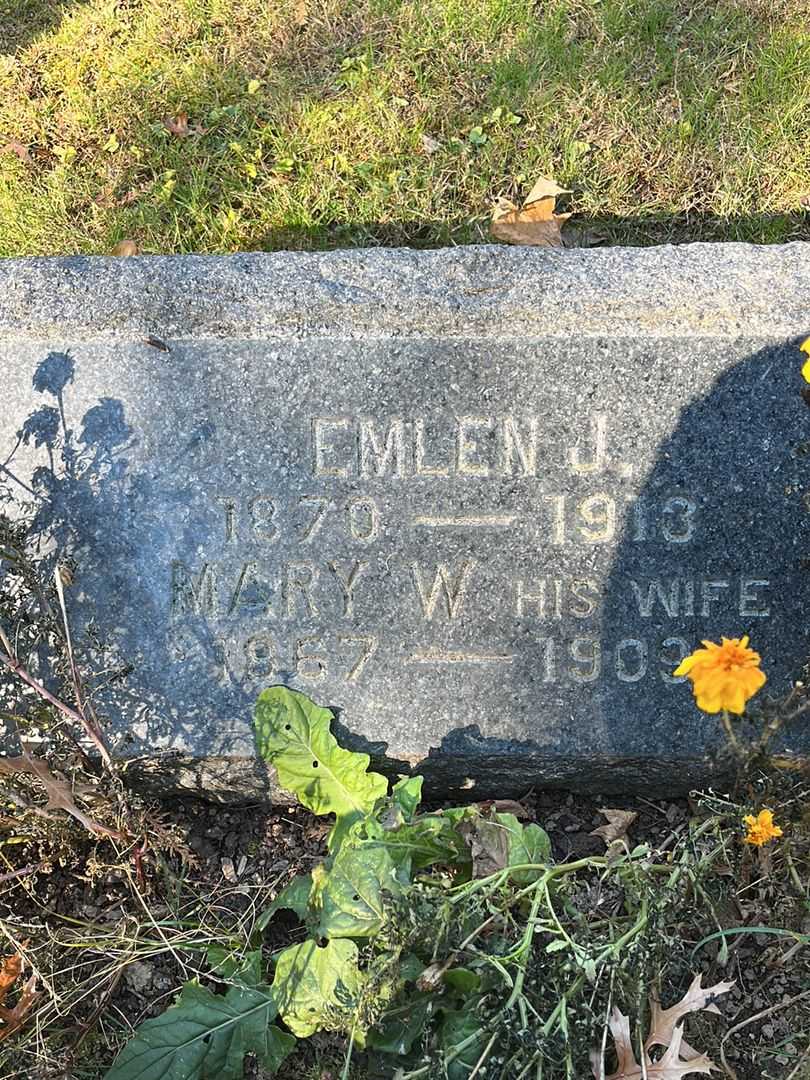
(12, 1018)
(125, 247)
(60, 794)
(679, 1059)
(536, 223)
(181, 127)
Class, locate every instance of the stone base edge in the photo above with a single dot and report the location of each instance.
(465, 293)
(249, 780)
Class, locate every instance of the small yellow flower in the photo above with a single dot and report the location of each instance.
(723, 676)
(760, 829)
(805, 348)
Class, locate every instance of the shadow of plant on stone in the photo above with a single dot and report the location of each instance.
(84, 506)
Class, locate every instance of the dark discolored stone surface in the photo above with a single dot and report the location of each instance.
(480, 501)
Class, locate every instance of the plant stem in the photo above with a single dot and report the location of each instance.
(729, 730)
(347, 1063)
(18, 669)
(483, 1057)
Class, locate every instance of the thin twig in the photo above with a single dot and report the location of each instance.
(795, 1070)
(23, 872)
(485, 1054)
(18, 669)
(750, 1020)
(74, 675)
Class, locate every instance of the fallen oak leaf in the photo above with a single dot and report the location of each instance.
(178, 126)
(665, 1021)
(535, 224)
(668, 1067)
(181, 127)
(10, 970)
(12, 1020)
(679, 1059)
(60, 795)
(545, 189)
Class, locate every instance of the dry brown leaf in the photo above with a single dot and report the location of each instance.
(60, 795)
(679, 1059)
(535, 224)
(125, 247)
(10, 969)
(65, 574)
(14, 147)
(181, 127)
(664, 1021)
(619, 821)
(510, 806)
(12, 1019)
(301, 13)
(545, 189)
(489, 845)
(668, 1067)
(178, 126)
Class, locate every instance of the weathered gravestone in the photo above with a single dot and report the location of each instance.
(479, 501)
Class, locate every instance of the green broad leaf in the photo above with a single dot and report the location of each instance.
(293, 897)
(317, 988)
(398, 1029)
(455, 1028)
(429, 840)
(205, 1036)
(234, 965)
(407, 794)
(410, 968)
(350, 895)
(293, 734)
(557, 945)
(527, 844)
(462, 980)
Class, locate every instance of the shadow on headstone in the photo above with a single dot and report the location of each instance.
(709, 539)
(714, 544)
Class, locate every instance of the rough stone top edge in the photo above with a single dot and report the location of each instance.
(485, 291)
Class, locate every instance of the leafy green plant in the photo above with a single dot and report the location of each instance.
(436, 942)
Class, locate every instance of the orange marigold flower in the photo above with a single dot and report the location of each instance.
(723, 676)
(760, 829)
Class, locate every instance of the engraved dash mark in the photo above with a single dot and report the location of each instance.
(439, 656)
(482, 521)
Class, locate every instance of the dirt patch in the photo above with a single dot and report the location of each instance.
(113, 939)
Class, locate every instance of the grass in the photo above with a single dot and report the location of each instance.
(324, 123)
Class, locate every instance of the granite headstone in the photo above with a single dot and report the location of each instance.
(480, 502)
